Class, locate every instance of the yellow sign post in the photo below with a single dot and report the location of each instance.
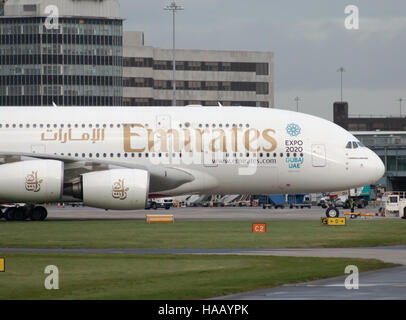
(2, 264)
(333, 221)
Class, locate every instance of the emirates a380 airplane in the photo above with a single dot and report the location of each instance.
(114, 158)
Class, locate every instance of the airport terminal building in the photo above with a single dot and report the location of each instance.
(76, 62)
(89, 61)
(203, 77)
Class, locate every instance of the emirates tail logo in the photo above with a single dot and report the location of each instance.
(119, 190)
(32, 183)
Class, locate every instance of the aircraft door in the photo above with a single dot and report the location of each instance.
(318, 155)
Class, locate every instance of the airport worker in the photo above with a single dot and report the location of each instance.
(352, 204)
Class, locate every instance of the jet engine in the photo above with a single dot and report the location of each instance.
(33, 181)
(117, 189)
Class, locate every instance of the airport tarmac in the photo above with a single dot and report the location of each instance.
(381, 284)
(393, 254)
(374, 285)
(198, 213)
(386, 284)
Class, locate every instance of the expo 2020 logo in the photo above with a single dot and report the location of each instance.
(293, 129)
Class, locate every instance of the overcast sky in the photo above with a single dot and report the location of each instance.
(309, 40)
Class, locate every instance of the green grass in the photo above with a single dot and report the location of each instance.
(199, 234)
(123, 276)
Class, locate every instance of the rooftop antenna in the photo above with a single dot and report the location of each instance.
(297, 99)
(400, 105)
(341, 69)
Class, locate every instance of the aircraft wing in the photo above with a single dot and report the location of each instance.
(161, 178)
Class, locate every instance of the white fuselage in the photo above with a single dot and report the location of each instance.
(228, 150)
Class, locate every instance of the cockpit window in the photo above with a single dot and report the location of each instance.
(354, 145)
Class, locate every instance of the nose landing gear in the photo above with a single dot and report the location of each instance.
(332, 212)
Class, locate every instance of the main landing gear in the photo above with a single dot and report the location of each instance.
(34, 213)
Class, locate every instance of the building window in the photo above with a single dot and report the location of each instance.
(195, 85)
(262, 88)
(262, 69)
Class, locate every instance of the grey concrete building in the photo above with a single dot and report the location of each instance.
(74, 60)
(390, 146)
(203, 77)
(87, 60)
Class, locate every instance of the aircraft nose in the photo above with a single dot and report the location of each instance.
(376, 167)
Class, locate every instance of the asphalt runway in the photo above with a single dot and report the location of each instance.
(393, 254)
(198, 213)
(387, 284)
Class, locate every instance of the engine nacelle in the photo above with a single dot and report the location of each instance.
(33, 181)
(118, 189)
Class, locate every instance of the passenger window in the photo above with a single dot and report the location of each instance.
(354, 145)
(349, 145)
